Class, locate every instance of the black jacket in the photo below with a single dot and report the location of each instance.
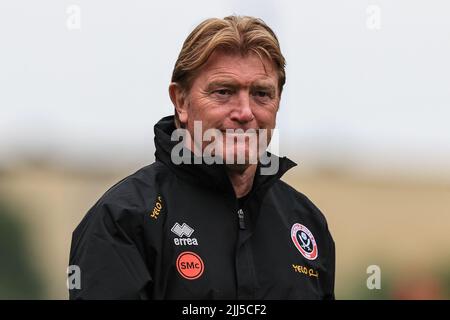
(178, 232)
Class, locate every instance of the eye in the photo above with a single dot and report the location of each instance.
(223, 92)
(261, 94)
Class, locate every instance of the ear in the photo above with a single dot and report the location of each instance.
(179, 100)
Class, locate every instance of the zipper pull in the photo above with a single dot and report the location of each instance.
(241, 219)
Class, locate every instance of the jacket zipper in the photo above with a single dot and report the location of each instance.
(241, 219)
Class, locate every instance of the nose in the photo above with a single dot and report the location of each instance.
(243, 111)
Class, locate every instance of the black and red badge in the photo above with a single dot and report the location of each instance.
(304, 241)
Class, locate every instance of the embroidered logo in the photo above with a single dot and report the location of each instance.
(181, 231)
(305, 270)
(304, 241)
(157, 208)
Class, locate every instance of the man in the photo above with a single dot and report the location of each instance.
(198, 223)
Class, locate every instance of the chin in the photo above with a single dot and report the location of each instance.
(244, 157)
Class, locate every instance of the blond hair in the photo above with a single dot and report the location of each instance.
(236, 34)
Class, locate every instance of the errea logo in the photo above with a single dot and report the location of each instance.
(183, 230)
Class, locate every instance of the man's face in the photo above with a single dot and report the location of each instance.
(233, 92)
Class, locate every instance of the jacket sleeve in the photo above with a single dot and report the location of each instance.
(105, 247)
(329, 262)
(330, 265)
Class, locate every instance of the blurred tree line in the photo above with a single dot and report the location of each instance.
(18, 276)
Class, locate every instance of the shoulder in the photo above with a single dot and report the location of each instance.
(129, 200)
(136, 189)
(297, 207)
(298, 201)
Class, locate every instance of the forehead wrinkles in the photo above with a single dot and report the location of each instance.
(231, 77)
(250, 65)
(234, 79)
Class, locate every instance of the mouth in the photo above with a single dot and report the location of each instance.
(239, 135)
(239, 130)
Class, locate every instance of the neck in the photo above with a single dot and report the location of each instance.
(242, 178)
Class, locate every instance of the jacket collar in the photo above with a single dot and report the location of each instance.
(209, 175)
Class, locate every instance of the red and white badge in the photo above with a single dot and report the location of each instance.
(304, 241)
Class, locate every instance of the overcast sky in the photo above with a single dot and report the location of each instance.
(367, 81)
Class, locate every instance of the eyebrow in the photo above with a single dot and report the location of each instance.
(270, 88)
(222, 83)
(257, 85)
